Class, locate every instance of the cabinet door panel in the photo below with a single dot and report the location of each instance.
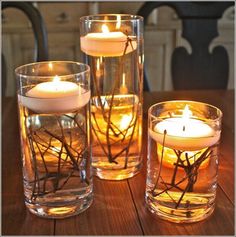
(14, 48)
(119, 7)
(14, 18)
(64, 46)
(159, 46)
(226, 39)
(63, 14)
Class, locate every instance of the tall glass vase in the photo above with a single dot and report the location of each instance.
(53, 102)
(113, 47)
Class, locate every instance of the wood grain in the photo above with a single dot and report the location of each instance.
(112, 213)
(226, 162)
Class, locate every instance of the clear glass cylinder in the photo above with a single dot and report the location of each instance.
(183, 139)
(54, 117)
(113, 48)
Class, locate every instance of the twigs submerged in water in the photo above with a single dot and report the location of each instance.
(113, 134)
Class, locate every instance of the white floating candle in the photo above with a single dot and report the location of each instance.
(55, 97)
(185, 134)
(107, 44)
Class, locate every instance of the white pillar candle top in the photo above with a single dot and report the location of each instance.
(107, 36)
(54, 89)
(106, 43)
(55, 97)
(185, 134)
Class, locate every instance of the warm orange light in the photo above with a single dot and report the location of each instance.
(60, 210)
(122, 120)
(170, 157)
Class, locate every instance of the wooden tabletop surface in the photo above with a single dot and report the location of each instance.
(118, 207)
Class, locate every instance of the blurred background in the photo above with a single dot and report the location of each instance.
(162, 35)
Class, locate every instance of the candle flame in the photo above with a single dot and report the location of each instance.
(187, 113)
(118, 24)
(56, 79)
(105, 28)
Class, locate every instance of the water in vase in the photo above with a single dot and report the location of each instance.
(56, 157)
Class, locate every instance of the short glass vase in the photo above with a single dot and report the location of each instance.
(182, 166)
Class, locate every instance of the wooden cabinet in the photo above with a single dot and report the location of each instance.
(62, 21)
(162, 35)
(63, 14)
(226, 38)
(17, 39)
(159, 45)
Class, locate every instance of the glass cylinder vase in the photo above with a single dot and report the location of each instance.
(113, 48)
(183, 139)
(54, 116)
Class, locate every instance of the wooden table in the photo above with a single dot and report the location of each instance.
(118, 207)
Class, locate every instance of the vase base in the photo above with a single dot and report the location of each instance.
(60, 210)
(120, 174)
(180, 215)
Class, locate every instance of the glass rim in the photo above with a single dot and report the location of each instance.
(130, 17)
(24, 75)
(219, 112)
